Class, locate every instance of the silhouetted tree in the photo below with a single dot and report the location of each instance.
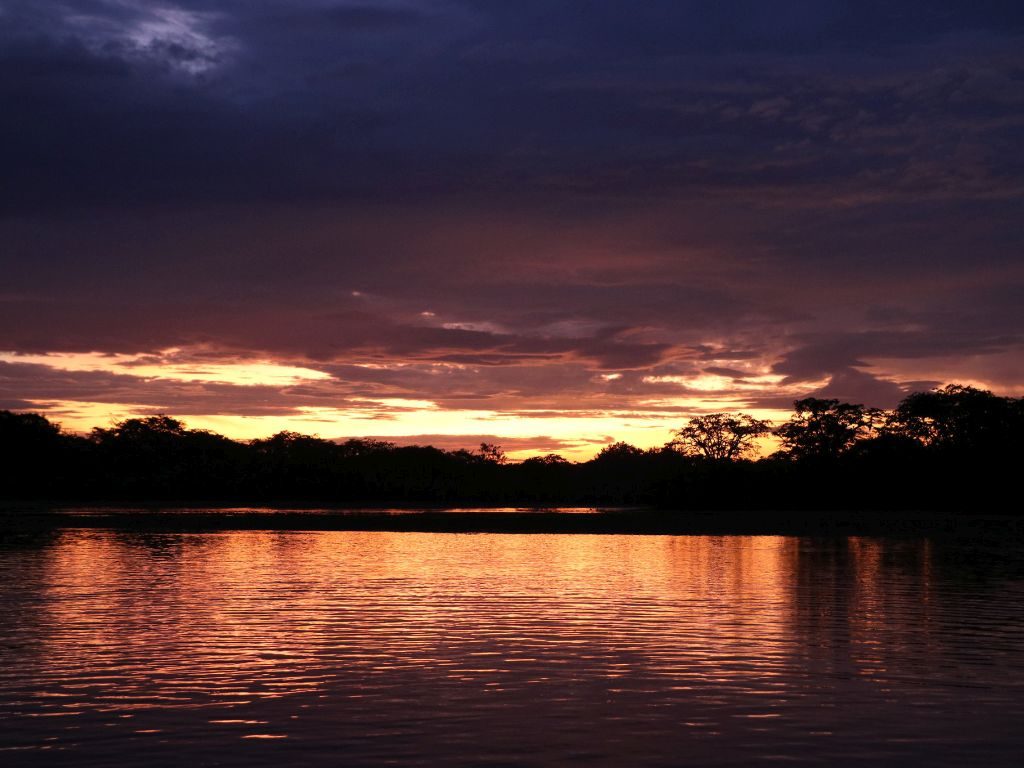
(720, 436)
(36, 456)
(955, 448)
(826, 428)
(620, 473)
(618, 452)
(492, 454)
(158, 455)
(542, 479)
(548, 460)
(142, 452)
(356, 447)
(26, 430)
(961, 418)
(288, 462)
(144, 430)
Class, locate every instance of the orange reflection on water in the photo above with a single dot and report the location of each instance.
(472, 645)
(195, 613)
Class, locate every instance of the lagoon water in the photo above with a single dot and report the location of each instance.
(402, 649)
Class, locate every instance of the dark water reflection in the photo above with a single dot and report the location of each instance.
(366, 648)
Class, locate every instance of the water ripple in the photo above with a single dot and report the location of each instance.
(254, 648)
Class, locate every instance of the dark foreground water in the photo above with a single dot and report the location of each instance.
(400, 649)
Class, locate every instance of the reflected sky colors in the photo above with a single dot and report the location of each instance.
(530, 650)
(542, 224)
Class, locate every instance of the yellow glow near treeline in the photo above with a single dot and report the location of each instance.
(582, 436)
(165, 367)
(577, 435)
(709, 382)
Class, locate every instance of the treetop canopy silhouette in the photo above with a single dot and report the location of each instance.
(951, 445)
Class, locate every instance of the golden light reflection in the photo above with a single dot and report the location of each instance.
(230, 618)
(252, 635)
(209, 618)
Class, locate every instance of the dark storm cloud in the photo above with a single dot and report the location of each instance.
(532, 193)
(123, 100)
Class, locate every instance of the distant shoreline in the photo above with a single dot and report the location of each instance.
(184, 519)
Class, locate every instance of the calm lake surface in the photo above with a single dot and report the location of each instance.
(405, 649)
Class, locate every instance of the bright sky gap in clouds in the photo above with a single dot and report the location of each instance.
(539, 223)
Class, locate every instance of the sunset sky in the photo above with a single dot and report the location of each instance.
(542, 223)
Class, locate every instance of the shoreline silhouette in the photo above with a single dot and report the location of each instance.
(21, 520)
(955, 449)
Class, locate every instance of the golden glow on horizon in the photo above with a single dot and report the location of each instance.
(576, 432)
(401, 403)
(574, 425)
(581, 436)
(697, 405)
(710, 382)
(164, 366)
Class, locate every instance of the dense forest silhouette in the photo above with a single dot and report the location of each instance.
(956, 447)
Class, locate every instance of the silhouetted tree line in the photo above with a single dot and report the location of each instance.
(956, 447)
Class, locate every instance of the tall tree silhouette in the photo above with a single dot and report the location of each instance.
(720, 436)
(35, 454)
(961, 418)
(826, 428)
(492, 454)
